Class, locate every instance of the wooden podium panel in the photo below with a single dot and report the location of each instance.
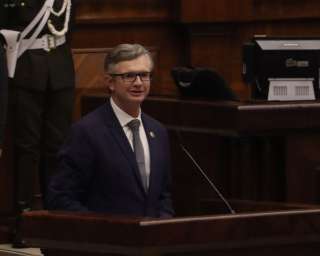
(278, 232)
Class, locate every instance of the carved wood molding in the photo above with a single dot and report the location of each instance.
(124, 11)
(246, 10)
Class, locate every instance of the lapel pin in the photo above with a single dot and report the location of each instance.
(152, 135)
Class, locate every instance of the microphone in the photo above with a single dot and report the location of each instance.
(223, 199)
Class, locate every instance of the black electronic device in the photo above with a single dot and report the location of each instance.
(268, 59)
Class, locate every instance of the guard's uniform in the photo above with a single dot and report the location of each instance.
(41, 97)
(3, 93)
(3, 81)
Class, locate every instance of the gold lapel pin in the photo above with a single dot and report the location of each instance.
(152, 135)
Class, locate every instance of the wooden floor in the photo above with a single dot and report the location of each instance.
(7, 250)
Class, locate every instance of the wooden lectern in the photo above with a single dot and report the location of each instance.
(274, 232)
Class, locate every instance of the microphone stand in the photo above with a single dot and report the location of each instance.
(208, 179)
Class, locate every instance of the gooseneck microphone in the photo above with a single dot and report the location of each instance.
(207, 178)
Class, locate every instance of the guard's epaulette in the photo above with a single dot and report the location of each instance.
(14, 3)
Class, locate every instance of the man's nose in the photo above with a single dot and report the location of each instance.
(138, 80)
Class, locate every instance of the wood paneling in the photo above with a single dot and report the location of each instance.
(283, 9)
(305, 164)
(211, 11)
(89, 74)
(115, 11)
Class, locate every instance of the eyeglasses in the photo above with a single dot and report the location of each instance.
(131, 77)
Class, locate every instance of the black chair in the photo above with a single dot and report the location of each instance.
(202, 83)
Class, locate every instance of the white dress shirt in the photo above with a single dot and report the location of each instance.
(124, 119)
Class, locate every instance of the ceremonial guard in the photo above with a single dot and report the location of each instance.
(41, 89)
(3, 83)
(3, 95)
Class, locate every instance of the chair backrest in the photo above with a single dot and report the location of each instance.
(202, 83)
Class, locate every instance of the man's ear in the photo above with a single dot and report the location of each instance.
(108, 81)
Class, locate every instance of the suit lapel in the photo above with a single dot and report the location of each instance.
(122, 141)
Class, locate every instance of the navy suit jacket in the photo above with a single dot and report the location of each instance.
(98, 171)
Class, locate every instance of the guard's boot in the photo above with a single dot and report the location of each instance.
(18, 241)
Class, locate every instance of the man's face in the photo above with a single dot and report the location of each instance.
(128, 90)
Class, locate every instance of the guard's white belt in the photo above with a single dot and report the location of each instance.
(46, 42)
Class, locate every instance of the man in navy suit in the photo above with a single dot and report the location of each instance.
(99, 171)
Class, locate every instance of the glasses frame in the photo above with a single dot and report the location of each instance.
(126, 79)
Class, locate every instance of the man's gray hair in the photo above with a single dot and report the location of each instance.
(124, 52)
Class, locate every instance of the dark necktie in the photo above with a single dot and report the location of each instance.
(138, 150)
